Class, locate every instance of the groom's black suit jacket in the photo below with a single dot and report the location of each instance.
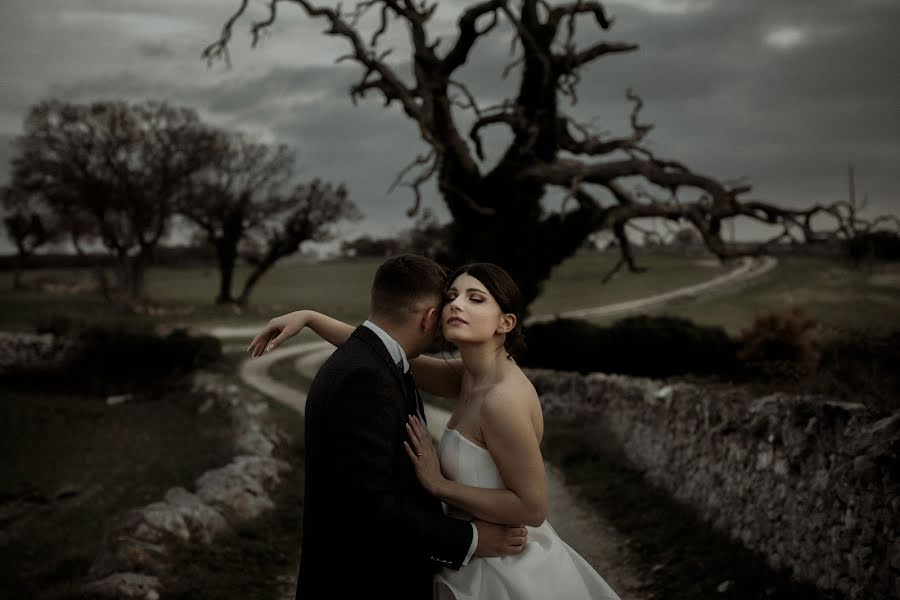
(369, 528)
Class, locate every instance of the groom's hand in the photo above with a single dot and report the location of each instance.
(499, 540)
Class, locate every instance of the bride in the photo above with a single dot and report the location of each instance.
(488, 464)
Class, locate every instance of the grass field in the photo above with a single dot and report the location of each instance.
(833, 292)
(838, 296)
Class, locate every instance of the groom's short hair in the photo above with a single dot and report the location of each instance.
(403, 283)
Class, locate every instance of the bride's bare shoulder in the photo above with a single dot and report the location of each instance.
(513, 394)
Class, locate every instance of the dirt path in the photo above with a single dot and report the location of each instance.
(598, 541)
(748, 268)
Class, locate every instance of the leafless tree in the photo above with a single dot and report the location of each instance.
(27, 228)
(238, 192)
(305, 213)
(110, 171)
(497, 213)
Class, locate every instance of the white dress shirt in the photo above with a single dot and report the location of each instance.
(398, 355)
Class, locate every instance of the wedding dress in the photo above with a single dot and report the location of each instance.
(547, 568)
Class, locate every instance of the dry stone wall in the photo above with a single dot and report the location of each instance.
(139, 542)
(812, 484)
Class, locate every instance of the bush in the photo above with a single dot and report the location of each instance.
(780, 344)
(874, 245)
(642, 345)
(116, 360)
(780, 352)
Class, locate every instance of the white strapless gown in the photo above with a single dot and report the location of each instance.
(547, 568)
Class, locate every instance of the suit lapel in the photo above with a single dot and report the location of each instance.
(371, 339)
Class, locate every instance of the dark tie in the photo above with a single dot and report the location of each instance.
(410, 385)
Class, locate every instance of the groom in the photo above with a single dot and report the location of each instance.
(369, 529)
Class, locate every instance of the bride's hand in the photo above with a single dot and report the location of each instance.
(423, 456)
(276, 331)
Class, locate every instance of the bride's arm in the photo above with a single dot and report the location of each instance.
(434, 375)
(513, 444)
(438, 376)
(281, 328)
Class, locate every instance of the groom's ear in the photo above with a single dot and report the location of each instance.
(430, 318)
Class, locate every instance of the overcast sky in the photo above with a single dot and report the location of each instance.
(785, 94)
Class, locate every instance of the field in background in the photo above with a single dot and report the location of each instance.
(831, 291)
(837, 295)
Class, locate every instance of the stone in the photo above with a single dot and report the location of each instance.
(125, 585)
(160, 518)
(763, 459)
(204, 522)
(119, 399)
(234, 492)
(724, 586)
(254, 442)
(894, 554)
(780, 467)
(132, 554)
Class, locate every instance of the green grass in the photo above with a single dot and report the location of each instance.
(577, 282)
(838, 296)
(831, 291)
(340, 289)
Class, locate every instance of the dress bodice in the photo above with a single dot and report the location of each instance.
(547, 568)
(465, 462)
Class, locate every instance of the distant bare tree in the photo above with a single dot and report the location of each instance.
(496, 210)
(366, 246)
(110, 172)
(235, 194)
(27, 229)
(428, 237)
(305, 213)
(686, 237)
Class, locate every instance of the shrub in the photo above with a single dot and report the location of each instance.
(780, 344)
(115, 360)
(648, 346)
(874, 245)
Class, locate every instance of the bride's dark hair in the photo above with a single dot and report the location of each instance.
(505, 291)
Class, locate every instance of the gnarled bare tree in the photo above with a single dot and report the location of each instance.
(497, 212)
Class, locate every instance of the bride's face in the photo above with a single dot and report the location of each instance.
(470, 313)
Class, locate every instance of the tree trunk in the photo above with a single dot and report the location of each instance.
(130, 280)
(515, 237)
(17, 271)
(254, 277)
(227, 256)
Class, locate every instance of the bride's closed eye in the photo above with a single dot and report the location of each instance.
(450, 297)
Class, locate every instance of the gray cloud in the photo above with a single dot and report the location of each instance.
(786, 94)
(159, 50)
